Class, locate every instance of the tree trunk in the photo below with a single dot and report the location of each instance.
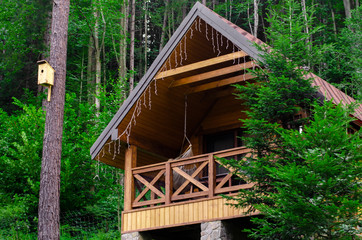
(123, 42)
(347, 8)
(308, 40)
(164, 25)
(204, 2)
(184, 9)
(90, 67)
(146, 35)
(231, 8)
(97, 59)
(48, 223)
(334, 23)
(131, 55)
(256, 17)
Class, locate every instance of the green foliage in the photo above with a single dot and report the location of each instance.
(20, 162)
(290, 32)
(306, 183)
(351, 44)
(310, 187)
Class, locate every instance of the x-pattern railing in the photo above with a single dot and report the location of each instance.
(156, 184)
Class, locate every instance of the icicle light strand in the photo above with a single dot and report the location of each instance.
(217, 43)
(206, 34)
(212, 39)
(185, 49)
(181, 53)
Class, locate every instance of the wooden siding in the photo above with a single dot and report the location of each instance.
(179, 214)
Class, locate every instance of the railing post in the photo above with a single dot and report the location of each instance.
(129, 188)
(168, 183)
(212, 175)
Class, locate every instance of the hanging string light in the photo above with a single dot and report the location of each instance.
(185, 48)
(206, 34)
(180, 53)
(217, 43)
(212, 39)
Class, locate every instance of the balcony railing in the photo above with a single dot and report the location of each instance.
(191, 178)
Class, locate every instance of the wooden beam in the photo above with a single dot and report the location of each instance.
(212, 175)
(211, 74)
(221, 83)
(130, 162)
(201, 64)
(168, 183)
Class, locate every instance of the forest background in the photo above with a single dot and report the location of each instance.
(110, 46)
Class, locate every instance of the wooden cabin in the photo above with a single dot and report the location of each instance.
(179, 118)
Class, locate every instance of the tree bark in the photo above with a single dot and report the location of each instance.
(204, 2)
(48, 223)
(90, 67)
(164, 25)
(131, 55)
(97, 58)
(184, 9)
(347, 8)
(123, 42)
(146, 35)
(256, 17)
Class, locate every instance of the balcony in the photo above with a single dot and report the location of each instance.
(171, 193)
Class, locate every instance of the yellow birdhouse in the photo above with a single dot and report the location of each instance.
(45, 75)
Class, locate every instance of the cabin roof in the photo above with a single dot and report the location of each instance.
(239, 37)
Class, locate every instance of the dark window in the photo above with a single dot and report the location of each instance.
(221, 141)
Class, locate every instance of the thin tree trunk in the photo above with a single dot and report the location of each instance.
(123, 42)
(169, 24)
(90, 68)
(103, 46)
(213, 4)
(249, 22)
(140, 51)
(226, 9)
(204, 2)
(347, 8)
(231, 7)
(184, 9)
(173, 20)
(304, 8)
(97, 59)
(256, 17)
(131, 55)
(334, 22)
(164, 25)
(146, 36)
(49, 193)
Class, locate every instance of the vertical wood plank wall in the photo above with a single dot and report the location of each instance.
(178, 215)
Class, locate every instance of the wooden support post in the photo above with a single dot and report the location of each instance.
(129, 188)
(212, 175)
(168, 183)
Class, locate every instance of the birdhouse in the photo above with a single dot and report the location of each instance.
(45, 75)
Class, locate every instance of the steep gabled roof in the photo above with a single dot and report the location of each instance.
(239, 37)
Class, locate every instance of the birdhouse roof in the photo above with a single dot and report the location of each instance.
(40, 62)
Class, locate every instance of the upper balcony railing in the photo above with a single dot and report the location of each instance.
(191, 178)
